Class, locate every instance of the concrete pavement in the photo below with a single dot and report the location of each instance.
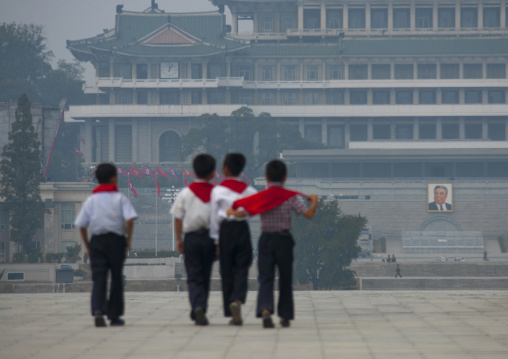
(329, 324)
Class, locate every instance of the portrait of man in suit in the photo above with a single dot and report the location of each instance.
(439, 197)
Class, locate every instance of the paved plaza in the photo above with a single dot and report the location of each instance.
(329, 324)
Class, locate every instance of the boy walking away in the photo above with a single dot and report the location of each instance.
(192, 216)
(233, 237)
(276, 243)
(110, 217)
(397, 272)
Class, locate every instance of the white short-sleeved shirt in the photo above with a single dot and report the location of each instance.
(106, 212)
(194, 213)
(222, 199)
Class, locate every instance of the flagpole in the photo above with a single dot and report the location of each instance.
(156, 217)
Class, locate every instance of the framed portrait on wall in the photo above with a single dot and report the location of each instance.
(439, 197)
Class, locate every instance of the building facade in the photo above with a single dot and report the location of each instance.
(399, 91)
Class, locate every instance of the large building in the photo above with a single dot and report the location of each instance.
(401, 92)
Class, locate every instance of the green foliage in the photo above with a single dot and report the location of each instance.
(259, 138)
(502, 243)
(72, 253)
(326, 245)
(85, 258)
(79, 273)
(54, 257)
(20, 170)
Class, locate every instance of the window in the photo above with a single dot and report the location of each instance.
(123, 70)
(65, 244)
(358, 132)
(381, 132)
(2, 250)
(142, 71)
(404, 97)
(450, 131)
(491, 17)
(312, 98)
(142, 97)
(124, 97)
(312, 72)
(358, 97)
(216, 70)
(379, 18)
(449, 97)
(266, 73)
(469, 169)
(401, 19)
(289, 22)
(407, 169)
(311, 18)
(333, 19)
(244, 98)
(404, 132)
(197, 71)
(497, 132)
(423, 18)
(356, 18)
(404, 72)
(123, 143)
(16, 276)
(427, 131)
(473, 96)
(196, 97)
(335, 72)
(267, 24)
(381, 97)
(267, 98)
(358, 72)
(67, 215)
(468, 17)
(313, 133)
(336, 136)
(216, 98)
(290, 98)
(450, 71)
(380, 72)
(169, 98)
(103, 70)
(245, 72)
(496, 71)
(427, 97)
(473, 131)
(169, 147)
(335, 97)
(438, 169)
(496, 96)
(497, 169)
(472, 71)
(345, 170)
(446, 18)
(426, 71)
(290, 72)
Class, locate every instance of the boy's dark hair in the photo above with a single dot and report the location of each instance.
(235, 163)
(104, 172)
(203, 165)
(276, 170)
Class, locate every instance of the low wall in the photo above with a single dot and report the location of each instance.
(462, 283)
(38, 272)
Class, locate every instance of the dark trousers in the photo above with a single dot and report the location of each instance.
(235, 260)
(276, 249)
(107, 253)
(199, 251)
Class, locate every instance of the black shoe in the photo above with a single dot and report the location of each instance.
(200, 316)
(236, 312)
(284, 323)
(267, 321)
(99, 320)
(117, 322)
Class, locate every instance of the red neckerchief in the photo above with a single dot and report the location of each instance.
(202, 190)
(265, 200)
(234, 185)
(106, 188)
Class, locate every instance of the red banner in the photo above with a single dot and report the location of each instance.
(122, 172)
(160, 172)
(149, 171)
(133, 190)
(135, 172)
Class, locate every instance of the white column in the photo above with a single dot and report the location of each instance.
(457, 15)
(439, 128)
(462, 128)
(135, 140)
(234, 24)
(88, 140)
(301, 127)
(485, 129)
(345, 17)
(323, 16)
(300, 16)
(370, 130)
(434, 15)
(390, 16)
(111, 140)
(503, 14)
(324, 131)
(412, 15)
(416, 129)
(367, 16)
(347, 133)
(480, 14)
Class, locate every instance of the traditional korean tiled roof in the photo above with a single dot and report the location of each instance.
(157, 34)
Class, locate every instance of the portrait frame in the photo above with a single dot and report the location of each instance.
(448, 204)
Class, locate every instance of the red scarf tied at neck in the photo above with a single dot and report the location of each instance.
(106, 188)
(234, 185)
(202, 190)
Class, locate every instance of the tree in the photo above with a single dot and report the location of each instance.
(20, 170)
(326, 245)
(72, 253)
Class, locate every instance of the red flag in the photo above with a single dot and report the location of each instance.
(78, 152)
(148, 171)
(135, 172)
(158, 189)
(173, 172)
(187, 173)
(160, 172)
(81, 139)
(185, 183)
(133, 190)
(245, 176)
(122, 172)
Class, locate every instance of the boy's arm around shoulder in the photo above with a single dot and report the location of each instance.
(311, 211)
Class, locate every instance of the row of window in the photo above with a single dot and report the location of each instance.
(402, 169)
(402, 96)
(401, 18)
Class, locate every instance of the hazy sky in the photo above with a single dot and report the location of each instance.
(78, 19)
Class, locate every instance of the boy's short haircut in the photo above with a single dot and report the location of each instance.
(235, 163)
(104, 172)
(276, 170)
(203, 165)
